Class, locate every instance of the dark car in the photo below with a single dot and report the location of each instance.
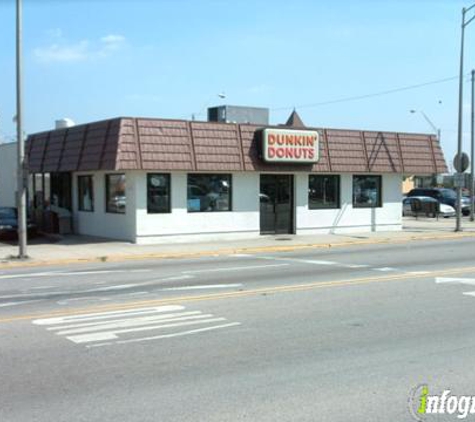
(443, 195)
(9, 223)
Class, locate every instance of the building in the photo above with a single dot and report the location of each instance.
(8, 174)
(157, 180)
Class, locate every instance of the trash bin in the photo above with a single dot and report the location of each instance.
(62, 218)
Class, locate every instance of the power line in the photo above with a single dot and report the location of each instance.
(375, 94)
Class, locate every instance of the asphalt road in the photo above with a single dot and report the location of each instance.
(313, 335)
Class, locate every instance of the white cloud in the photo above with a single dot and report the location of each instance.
(63, 52)
(113, 39)
(111, 43)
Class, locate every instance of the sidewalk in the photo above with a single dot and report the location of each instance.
(76, 249)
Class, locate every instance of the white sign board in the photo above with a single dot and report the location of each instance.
(459, 180)
(290, 146)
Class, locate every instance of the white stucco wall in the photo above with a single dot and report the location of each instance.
(180, 225)
(102, 224)
(136, 225)
(347, 219)
(8, 176)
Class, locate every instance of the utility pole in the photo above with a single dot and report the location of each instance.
(472, 143)
(21, 186)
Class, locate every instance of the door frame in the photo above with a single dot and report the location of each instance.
(292, 184)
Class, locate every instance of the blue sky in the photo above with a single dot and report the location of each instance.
(93, 59)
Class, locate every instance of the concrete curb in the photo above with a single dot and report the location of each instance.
(12, 264)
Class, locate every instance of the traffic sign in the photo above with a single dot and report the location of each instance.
(459, 180)
(461, 162)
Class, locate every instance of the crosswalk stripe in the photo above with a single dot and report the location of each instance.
(109, 326)
(112, 335)
(101, 323)
(130, 323)
(105, 315)
(164, 336)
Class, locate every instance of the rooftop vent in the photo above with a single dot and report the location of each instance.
(239, 114)
(64, 123)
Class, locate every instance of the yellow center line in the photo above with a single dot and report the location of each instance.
(244, 293)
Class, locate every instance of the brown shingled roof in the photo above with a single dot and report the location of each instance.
(167, 145)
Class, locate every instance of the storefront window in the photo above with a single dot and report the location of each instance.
(209, 192)
(115, 193)
(366, 191)
(85, 193)
(323, 192)
(158, 193)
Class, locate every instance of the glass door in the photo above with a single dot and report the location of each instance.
(276, 204)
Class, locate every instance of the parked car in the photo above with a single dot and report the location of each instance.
(444, 196)
(9, 223)
(408, 206)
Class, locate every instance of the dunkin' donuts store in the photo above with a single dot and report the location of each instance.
(157, 180)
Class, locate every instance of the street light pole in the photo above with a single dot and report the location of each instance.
(458, 226)
(472, 147)
(21, 186)
(426, 118)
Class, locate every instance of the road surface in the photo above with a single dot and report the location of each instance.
(341, 334)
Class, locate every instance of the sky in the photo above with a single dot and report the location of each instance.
(356, 64)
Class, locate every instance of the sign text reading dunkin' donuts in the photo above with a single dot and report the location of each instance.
(290, 146)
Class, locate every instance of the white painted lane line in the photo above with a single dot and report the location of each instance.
(29, 275)
(112, 335)
(356, 265)
(164, 336)
(204, 287)
(469, 294)
(226, 269)
(442, 280)
(65, 273)
(105, 315)
(314, 262)
(108, 288)
(33, 295)
(385, 269)
(40, 288)
(75, 292)
(79, 299)
(301, 260)
(176, 278)
(4, 305)
(91, 272)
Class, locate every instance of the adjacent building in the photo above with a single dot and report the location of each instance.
(8, 174)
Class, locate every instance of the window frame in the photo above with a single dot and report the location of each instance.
(338, 192)
(80, 198)
(169, 187)
(379, 203)
(230, 193)
(107, 184)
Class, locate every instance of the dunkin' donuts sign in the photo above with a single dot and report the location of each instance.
(290, 146)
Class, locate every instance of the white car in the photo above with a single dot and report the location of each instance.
(425, 201)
